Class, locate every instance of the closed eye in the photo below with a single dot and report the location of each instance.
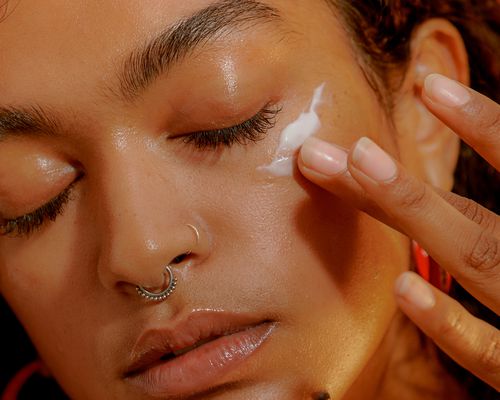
(27, 224)
(251, 130)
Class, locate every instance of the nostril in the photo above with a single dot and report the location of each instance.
(179, 259)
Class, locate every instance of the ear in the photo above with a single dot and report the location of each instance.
(427, 146)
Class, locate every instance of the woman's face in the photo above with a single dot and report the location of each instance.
(87, 104)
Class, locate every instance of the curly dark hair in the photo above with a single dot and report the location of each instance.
(382, 31)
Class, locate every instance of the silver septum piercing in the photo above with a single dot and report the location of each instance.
(160, 296)
(172, 280)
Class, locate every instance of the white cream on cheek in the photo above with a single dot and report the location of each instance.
(294, 136)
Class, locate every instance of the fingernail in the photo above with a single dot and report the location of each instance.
(446, 91)
(373, 161)
(415, 290)
(323, 157)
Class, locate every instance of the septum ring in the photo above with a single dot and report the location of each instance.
(162, 295)
(172, 280)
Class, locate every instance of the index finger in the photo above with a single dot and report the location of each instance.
(470, 251)
(474, 117)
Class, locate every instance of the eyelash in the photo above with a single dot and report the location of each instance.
(251, 130)
(27, 224)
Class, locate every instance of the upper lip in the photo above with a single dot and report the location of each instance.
(197, 328)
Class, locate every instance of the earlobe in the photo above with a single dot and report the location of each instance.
(432, 148)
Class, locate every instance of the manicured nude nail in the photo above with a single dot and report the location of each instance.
(415, 291)
(373, 161)
(323, 157)
(446, 91)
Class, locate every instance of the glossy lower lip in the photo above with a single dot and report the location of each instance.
(205, 367)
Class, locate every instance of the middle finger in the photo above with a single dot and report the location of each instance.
(467, 250)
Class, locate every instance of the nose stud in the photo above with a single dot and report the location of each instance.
(196, 233)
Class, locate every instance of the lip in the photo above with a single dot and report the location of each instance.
(209, 346)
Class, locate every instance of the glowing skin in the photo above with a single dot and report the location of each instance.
(230, 75)
(39, 175)
(294, 136)
(285, 251)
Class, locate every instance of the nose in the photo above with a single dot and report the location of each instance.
(144, 223)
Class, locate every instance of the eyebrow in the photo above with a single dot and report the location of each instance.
(147, 63)
(18, 120)
(152, 60)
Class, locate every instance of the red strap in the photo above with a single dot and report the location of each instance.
(421, 261)
(430, 270)
(15, 385)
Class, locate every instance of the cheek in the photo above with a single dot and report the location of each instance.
(48, 264)
(326, 269)
(290, 249)
(296, 234)
(40, 280)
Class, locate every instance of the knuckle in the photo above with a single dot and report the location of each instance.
(472, 211)
(412, 197)
(477, 214)
(483, 253)
(489, 357)
(491, 126)
(453, 326)
(468, 208)
(488, 122)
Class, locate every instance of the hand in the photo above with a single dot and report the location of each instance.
(462, 236)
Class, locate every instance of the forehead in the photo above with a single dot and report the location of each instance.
(82, 41)
(79, 23)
